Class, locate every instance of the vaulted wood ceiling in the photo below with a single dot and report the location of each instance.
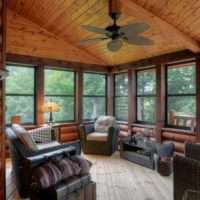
(51, 28)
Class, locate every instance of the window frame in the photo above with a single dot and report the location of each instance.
(149, 95)
(25, 95)
(185, 63)
(118, 96)
(105, 96)
(51, 95)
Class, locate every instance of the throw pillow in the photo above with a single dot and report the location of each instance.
(43, 134)
(83, 163)
(103, 122)
(45, 176)
(67, 167)
(24, 137)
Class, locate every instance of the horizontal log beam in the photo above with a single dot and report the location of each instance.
(37, 61)
(162, 59)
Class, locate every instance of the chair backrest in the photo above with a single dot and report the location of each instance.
(165, 149)
(103, 122)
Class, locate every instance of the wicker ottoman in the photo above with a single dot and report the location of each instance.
(164, 168)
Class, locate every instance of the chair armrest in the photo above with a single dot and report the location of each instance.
(84, 130)
(30, 163)
(187, 177)
(28, 153)
(192, 151)
(113, 133)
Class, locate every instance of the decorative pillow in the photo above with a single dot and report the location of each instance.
(25, 137)
(45, 176)
(103, 122)
(43, 134)
(83, 163)
(67, 167)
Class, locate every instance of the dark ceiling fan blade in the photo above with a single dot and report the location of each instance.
(138, 40)
(133, 29)
(97, 30)
(114, 45)
(92, 40)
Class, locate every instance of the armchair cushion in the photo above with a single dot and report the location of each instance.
(43, 134)
(24, 137)
(47, 145)
(103, 122)
(97, 136)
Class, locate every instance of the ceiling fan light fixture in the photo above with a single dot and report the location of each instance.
(114, 45)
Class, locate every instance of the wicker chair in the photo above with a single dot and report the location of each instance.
(187, 173)
(20, 156)
(164, 168)
(106, 147)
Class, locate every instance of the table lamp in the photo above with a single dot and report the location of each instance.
(51, 107)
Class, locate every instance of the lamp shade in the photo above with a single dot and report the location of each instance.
(51, 107)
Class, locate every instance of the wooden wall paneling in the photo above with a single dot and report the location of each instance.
(198, 98)
(79, 97)
(156, 22)
(39, 95)
(166, 58)
(160, 100)
(131, 98)
(110, 94)
(41, 61)
(3, 8)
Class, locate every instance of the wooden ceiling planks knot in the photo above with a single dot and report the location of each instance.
(178, 23)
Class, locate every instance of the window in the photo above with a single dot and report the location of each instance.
(146, 96)
(94, 95)
(181, 95)
(59, 87)
(121, 97)
(20, 93)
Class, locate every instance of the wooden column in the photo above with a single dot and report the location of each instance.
(2, 99)
(79, 97)
(39, 95)
(160, 100)
(198, 98)
(110, 94)
(132, 110)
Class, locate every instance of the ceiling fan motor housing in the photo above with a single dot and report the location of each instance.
(114, 30)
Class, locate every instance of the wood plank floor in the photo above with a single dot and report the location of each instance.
(117, 179)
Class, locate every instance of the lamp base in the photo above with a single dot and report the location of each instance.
(50, 123)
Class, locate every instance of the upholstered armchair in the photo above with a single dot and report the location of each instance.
(187, 173)
(101, 137)
(24, 160)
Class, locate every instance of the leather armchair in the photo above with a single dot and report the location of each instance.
(24, 160)
(187, 172)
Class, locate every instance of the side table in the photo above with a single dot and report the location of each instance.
(139, 153)
(164, 168)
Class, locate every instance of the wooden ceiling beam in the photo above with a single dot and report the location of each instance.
(162, 59)
(156, 22)
(38, 61)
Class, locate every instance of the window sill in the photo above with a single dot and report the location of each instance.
(178, 131)
(143, 125)
(122, 122)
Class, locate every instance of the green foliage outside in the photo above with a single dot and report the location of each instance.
(181, 81)
(60, 88)
(94, 95)
(146, 91)
(121, 97)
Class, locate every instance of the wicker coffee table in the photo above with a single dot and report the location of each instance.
(139, 153)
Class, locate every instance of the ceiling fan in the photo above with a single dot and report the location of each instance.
(116, 35)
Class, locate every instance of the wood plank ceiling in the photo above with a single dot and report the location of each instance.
(64, 18)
